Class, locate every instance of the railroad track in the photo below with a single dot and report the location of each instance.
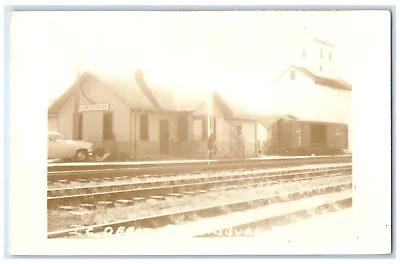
(86, 172)
(159, 220)
(90, 197)
(82, 186)
(249, 223)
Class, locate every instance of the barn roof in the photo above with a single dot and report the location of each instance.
(324, 42)
(336, 82)
(325, 81)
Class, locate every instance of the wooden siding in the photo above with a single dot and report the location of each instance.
(93, 121)
(52, 123)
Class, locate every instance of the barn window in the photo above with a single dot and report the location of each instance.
(321, 53)
(330, 55)
(107, 125)
(144, 127)
(292, 75)
(183, 127)
(304, 53)
(318, 134)
(320, 68)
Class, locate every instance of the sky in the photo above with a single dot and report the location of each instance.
(240, 52)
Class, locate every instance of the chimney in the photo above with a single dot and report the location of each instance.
(139, 74)
(139, 77)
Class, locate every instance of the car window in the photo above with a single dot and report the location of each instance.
(55, 137)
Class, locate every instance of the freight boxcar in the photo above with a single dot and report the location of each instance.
(298, 137)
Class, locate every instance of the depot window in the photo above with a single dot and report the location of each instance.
(80, 126)
(79, 133)
(183, 128)
(107, 125)
(144, 127)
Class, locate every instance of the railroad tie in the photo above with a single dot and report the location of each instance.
(63, 181)
(77, 226)
(80, 213)
(66, 207)
(123, 202)
(157, 197)
(88, 206)
(74, 233)
(176, 194)
(106, 203)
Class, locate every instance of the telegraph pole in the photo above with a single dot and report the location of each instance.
(77, 90)
(208, 115)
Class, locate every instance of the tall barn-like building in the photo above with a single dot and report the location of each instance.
(310, 88)
(317, 56)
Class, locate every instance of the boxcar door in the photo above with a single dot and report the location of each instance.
(164, 136)
(341, 137)
(331, 136)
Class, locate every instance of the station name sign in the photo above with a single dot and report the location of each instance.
(94, 107)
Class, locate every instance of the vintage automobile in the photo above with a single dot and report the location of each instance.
(60, 148)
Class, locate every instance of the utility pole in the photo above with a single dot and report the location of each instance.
(208, 116)
(77, 90)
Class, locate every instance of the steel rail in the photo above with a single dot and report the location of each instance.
(165, 190)
(157, 183)
(165, 219)
(91, 171)
(281, 218)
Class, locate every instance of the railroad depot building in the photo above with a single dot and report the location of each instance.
(310, 89)
(52, 122)
(149, 122)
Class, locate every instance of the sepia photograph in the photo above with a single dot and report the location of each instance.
(177, 125)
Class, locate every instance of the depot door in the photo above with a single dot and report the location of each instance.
(92, 126)
(164, 136)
